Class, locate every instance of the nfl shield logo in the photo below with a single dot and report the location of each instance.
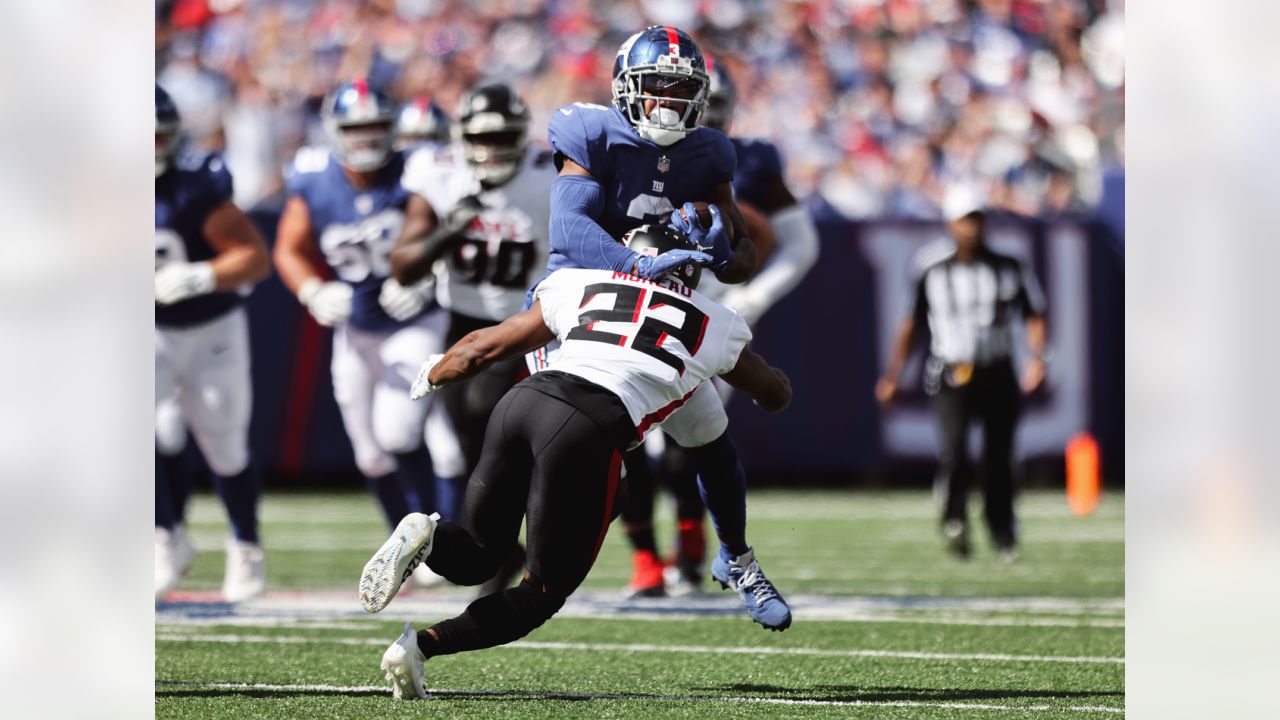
(364, 204)
(664, 164)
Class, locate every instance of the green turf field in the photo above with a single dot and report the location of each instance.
(886, 625)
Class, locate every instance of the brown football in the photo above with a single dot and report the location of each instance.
(704, 214)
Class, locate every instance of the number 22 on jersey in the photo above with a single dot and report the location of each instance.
(635, 306)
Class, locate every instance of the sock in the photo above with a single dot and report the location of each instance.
(449, 494)
(390, 496)
(164, 498)
(239, 495)
(181, 482)
(722, 484)
(641, 538)
(690, 543)
(417, 481)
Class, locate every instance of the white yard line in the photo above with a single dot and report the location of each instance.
(687, 649)
(552, 695)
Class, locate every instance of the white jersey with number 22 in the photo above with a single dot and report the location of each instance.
(650, 343)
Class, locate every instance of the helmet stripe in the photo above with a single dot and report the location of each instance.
(362, 87)
(673, 40)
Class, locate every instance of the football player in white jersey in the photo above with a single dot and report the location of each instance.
(347, 202)
(478, 218)
(632, 352)
(206, 251)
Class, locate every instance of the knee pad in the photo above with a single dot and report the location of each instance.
(227, 455)
(447, 460)
(171, 431)
(373, 463)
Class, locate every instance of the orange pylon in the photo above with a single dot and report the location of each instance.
(1084, 474)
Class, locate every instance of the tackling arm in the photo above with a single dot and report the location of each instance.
(768, 386)
(518, 334)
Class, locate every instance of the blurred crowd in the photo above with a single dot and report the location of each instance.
(876, 105)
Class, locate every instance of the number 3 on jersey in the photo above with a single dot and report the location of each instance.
(629, 307)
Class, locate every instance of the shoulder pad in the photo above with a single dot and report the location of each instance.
(311, 159)
(191, 159)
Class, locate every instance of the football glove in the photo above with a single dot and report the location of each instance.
(178, 281)
(403, 303)
(328, 302)
(422, 387)
(654, 267)
(715, 238)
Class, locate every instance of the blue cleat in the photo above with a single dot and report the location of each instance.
(764, 603)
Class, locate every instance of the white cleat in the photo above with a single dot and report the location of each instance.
(246, 575)
(396, 560)
(402, 664)
(424, 577)
(167, 572)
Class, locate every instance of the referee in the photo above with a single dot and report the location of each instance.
(968, 295)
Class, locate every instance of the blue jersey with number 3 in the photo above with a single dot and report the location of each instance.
(354, 228)
(643, 182)
(196, 185)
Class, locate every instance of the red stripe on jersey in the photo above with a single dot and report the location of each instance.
(673, 41)
(587, 299)
(658, 305)
(635, 316)
(701, 334)
(661, 338)
(661, 414)
(611, 492)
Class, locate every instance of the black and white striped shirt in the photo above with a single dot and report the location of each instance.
(969, 305)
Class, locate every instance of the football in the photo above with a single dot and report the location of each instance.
(704, 214)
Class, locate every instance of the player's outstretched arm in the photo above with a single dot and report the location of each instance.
(768, 386)
(518, 334)
(242, 253)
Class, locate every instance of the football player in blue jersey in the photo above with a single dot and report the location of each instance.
(770, 210)
(206, 250)
(758, 184)
(348, 200)
(420, 122)
(635, 163)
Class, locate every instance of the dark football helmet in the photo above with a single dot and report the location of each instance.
(655, 239)
(493, 125)
(663, 64)
(359, 121)
(722, 96)
(168, 125)
(421, 120)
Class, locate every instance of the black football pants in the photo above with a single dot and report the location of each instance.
(553, 466)
(993, 398)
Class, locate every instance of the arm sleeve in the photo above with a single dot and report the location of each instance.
(576, 202)
(795, 254)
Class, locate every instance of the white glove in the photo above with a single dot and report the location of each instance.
(742, 299)
(179, 281)
(422, 387)
(328, 302)
(401, 302)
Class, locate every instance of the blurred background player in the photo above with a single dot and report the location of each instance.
(553, 453)
(478, 216)
(967, 296)
(206, 250)
(635, 162)
(770, 211)
(420, 122)
(347, 201)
